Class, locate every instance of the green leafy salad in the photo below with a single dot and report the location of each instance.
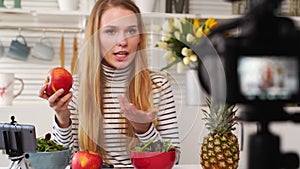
(155, 146)
(47, 145)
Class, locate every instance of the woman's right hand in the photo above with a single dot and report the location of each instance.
(59, 105)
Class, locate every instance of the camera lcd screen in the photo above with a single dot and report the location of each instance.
(268, 77)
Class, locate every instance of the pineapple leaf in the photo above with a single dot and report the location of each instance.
(220, 118)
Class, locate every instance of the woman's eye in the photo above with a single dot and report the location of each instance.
(110, 31)
(132, 31)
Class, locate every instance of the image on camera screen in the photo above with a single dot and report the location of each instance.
(268, 77)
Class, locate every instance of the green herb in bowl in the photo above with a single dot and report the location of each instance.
(44, 145)
(49, 155)
(155, 146)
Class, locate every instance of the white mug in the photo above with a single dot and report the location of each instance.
(68, 5)
(7, 81)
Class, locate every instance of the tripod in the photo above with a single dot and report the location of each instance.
(19, 162)
(17, 157)
(264, 146)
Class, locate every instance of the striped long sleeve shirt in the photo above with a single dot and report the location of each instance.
(116, 84)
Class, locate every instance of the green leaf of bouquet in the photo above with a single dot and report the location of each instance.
(169, 65)
(187, 27)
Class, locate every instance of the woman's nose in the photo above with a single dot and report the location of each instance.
(122, 41)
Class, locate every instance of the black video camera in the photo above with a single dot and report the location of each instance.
(259, 68)
(262, 61)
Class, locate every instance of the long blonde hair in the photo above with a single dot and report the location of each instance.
(91, 79)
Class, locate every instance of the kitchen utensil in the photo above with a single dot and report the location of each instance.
(17, 4)
(47, 160)
(75, 55)
(62, 51)
(7, 81)
(68, 5)
(18, 48)
(2, 4)
(1, 49)
(43, 49)
(153, 160)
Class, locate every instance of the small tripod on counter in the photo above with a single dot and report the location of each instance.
(17, 156)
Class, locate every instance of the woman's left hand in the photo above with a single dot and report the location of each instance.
(133, 114)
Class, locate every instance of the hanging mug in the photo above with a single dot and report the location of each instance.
(18, 48)
(43, 49)
(1, 49)
(7, 82)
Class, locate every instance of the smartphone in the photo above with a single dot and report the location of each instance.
(25, 133)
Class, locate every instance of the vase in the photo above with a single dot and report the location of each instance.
(145, 5)
(194, 93)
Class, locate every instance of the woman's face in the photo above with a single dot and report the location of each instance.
(119, 36)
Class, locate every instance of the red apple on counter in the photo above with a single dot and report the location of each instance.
(86, 159)
(58, 78)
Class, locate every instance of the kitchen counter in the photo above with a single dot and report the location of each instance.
(186, 166)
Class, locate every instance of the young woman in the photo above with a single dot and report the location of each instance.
(116, 101)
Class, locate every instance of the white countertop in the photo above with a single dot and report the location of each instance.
(186, 166)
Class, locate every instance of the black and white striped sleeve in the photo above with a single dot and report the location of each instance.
(167, 125)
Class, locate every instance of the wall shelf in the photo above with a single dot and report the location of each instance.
(25, 17)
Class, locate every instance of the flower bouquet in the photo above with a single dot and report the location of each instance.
(179, 34)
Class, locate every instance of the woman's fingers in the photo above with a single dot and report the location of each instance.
(42, 93)
(133, 114)
(124, 103)
(53, 99)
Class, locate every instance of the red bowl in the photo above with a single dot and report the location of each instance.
(153, 160)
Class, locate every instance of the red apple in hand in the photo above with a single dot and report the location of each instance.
(86, 159)
(58, 78)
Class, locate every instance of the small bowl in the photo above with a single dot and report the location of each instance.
(50, 160)
(153, 160)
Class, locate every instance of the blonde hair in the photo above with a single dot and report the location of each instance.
(91, 80)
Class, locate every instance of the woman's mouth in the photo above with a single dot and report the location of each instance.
(121, 55)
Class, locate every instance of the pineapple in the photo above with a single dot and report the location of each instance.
(220, 148)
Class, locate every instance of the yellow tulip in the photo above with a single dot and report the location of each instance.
(167, 27)
(180, 67)
(174, 58)
(177, 24)
(211, 23)
(199, 33)
(168, 55)
(162, 45)
(186, 60)
(190, 38)
(184, 51)
(166, 36)
(177, 35)
(196, 25)
(194, 58)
